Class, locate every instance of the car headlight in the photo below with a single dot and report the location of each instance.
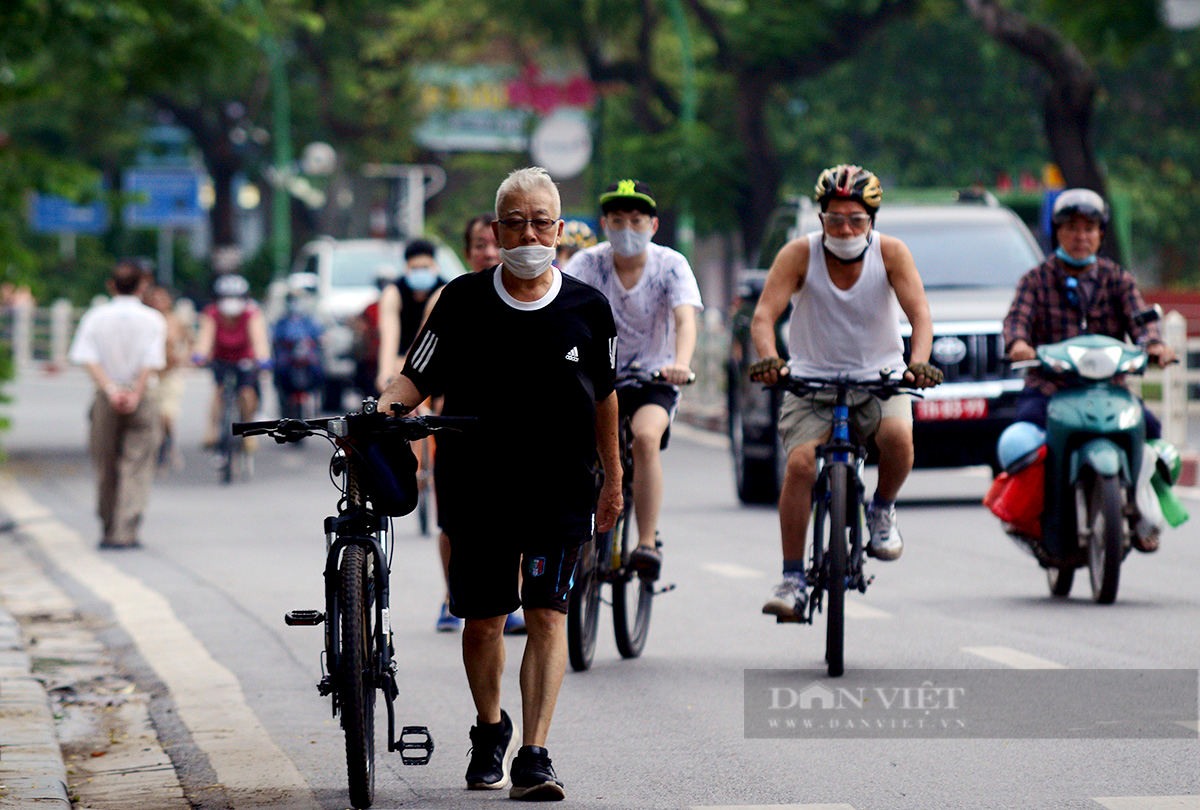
(1095, 364)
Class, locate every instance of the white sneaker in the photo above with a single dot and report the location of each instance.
(789, 599)
(885, 541)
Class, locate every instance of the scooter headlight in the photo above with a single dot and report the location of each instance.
(1096, 364)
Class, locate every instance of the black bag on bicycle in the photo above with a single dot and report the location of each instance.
(388, 474)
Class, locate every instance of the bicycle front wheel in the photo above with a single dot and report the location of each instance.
(632, 596)
(835, 560)
(583, 611)
(356, 680)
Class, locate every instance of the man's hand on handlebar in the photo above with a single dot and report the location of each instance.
(676, 374)
(922, 375)
(1162, 354)
(768, 370)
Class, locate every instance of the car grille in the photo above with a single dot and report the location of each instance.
(982, 356)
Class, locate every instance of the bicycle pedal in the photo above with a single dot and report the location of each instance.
(303, 618)
(664, 589)
(414, 738)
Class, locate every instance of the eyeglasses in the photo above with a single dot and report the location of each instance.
(857, 221)
(516, 224)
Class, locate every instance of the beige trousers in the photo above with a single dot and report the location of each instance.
(124, 451)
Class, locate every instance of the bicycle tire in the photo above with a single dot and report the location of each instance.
(632, 596)
(356, 679)
(835, 585)
(583, 609)
(1104, 503)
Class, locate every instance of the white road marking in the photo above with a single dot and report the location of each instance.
(208, 697)
(1150, 802)
(733, 570)
(1013, 658)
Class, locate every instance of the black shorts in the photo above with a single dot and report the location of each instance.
(483, 573)
(246, 371)
(632, 397)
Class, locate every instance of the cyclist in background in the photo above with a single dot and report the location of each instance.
(402, 307)
(576, 236)
(296, 348)
(654, 299)
(232, 334)
(847, 285)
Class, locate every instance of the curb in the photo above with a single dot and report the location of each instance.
(32, 773)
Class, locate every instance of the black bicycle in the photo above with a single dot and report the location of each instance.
(376, 469)
(836, 555)
(231, 457)
(605, 560)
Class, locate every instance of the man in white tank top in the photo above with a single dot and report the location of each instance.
(847, 286)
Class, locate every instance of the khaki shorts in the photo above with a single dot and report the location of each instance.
(810, 418)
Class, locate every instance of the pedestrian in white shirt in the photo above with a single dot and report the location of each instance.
(122, 345)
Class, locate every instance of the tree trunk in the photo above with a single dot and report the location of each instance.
(762, 163)
(1067, 110)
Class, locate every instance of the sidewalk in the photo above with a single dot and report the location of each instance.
(32, 773)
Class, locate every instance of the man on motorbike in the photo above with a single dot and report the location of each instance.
(1073, 292)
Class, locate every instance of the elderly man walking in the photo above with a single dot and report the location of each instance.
(122, 344)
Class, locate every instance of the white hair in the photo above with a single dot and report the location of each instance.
(529, 180)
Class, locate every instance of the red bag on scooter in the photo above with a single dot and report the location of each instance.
(1019, 499)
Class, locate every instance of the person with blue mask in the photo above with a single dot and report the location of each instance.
(402, 307)
(1073, 292)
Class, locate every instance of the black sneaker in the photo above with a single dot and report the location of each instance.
(533, 777)
(492, 747)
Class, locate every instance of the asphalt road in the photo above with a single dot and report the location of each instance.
(201, 608)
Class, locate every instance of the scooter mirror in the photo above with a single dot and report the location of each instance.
(1148, 315)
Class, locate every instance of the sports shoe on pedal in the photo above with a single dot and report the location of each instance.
(647, 561)
(447, 622)
(514, 624)
(790, 597)
(533, 777)
(885, 541)
(492, 749)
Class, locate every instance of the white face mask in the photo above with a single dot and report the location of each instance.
(628, 242)
(231, 307)
(848, 249)
(528, 261)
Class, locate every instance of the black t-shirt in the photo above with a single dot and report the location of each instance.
(411, 311)
(532, 374)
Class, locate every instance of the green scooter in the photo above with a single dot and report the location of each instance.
(1095, 437)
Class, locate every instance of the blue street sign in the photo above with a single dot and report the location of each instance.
(162, 198)
(49, 213)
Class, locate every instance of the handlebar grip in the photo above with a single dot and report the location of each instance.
(449, 421)
(240, 428)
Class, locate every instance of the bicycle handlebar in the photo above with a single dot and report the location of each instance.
(351, 425)
(883, 389)
(643, 376)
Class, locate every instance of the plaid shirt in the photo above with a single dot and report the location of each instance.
(1041, 312)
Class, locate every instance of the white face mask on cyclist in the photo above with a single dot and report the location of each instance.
(231, 307)
(628, 242)
(848, 250)
(528, 261)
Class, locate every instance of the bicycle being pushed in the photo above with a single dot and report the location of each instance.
(838, 550)
(376, 472)
(605, 560)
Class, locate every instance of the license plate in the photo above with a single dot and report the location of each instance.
(942, 410)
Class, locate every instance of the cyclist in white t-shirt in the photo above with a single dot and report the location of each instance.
(654, 299)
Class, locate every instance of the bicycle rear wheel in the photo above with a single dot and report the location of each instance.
(835, 559)
(632, 596)
(356, 680)
(583, 610)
